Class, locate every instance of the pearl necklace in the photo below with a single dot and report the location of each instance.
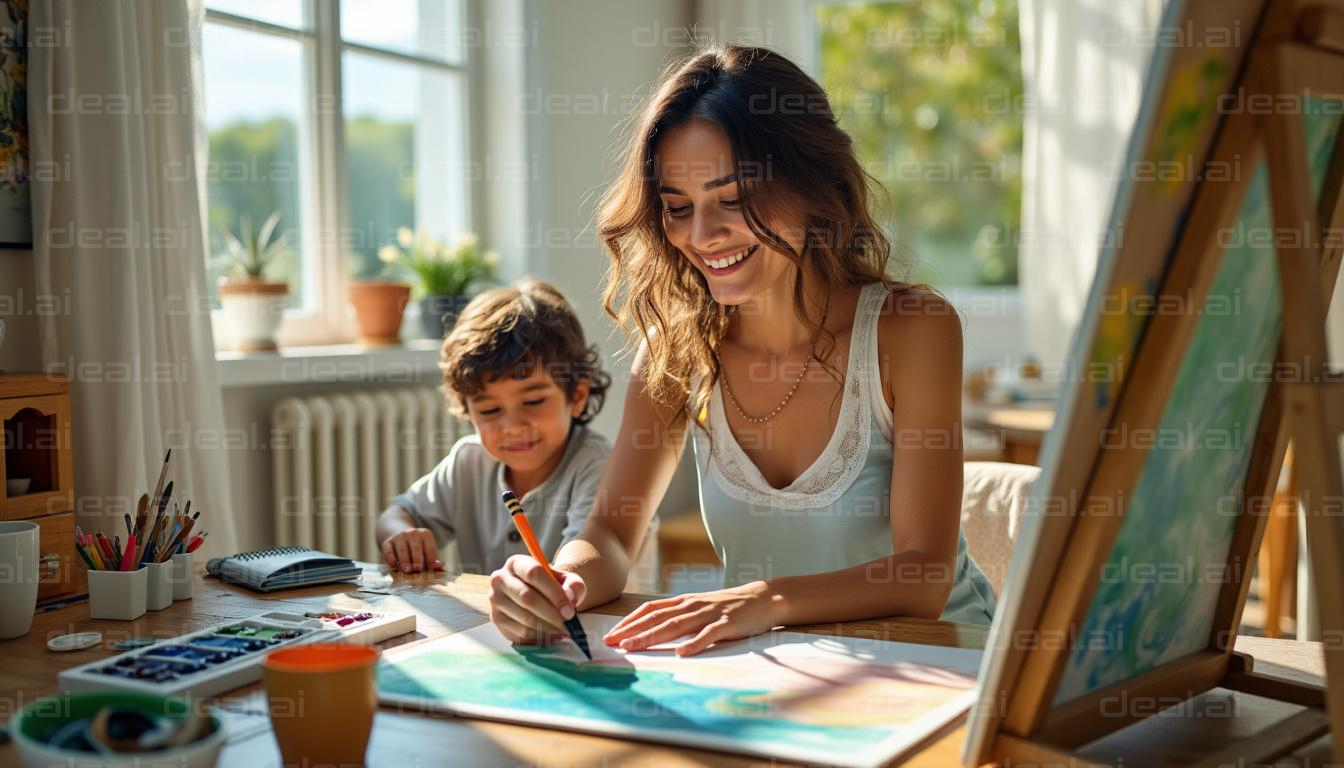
(733, 398)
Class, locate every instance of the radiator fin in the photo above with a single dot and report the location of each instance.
(339, 459)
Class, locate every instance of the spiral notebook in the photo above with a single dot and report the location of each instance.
(267, 570)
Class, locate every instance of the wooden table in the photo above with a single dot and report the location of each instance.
(1021, 428)
(447, 603)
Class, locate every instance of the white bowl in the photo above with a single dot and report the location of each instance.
(17, 486)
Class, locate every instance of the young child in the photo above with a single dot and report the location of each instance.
(517, 366)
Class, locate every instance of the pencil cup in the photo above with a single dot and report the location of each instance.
(118, 594)
(322, 698)
(159, 590)
(184, 576)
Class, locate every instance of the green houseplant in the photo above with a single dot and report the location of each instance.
(444, 274)
(252, 307)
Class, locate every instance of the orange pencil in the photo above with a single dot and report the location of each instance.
(525, 530)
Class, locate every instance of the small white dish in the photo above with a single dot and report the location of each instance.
(17, 486)
(75, 642)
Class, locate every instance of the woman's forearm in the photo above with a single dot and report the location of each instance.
(907, 584)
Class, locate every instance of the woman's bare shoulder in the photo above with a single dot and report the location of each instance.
(918, 316)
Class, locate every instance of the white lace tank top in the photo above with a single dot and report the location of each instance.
(837, 513)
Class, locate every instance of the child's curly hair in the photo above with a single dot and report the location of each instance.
(506, 332)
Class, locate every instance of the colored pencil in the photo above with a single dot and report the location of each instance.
(104, 547)
(519, 517)
(94, 553)
(129, 558)
(84, 556)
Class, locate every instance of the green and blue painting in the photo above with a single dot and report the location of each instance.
(1158, 592)
(785, 695)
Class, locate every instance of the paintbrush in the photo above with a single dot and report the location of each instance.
(160, 516)
(163, 475)
(141, 513)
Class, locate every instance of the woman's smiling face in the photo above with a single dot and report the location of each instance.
(703, 218)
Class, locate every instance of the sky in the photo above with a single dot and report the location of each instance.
(256, 76)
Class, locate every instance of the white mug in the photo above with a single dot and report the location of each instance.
(18, 577)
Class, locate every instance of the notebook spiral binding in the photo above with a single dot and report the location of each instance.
(268, 552)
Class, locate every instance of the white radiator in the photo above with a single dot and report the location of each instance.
(340, 459)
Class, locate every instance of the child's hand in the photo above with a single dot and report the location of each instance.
(526, 603)
(412, 550)
(708, 618)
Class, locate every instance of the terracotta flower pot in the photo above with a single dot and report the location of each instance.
(379, 305)
(251, 313)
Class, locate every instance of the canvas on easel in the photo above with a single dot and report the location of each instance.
(1206, 311)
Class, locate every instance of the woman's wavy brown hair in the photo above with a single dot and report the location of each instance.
(794, 164)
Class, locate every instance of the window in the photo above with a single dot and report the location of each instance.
(929, 92)
(348, 117)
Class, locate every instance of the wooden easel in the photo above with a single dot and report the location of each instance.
(1299, 45)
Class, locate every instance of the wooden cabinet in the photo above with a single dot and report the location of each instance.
(36, 460)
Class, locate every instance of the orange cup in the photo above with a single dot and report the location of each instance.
(322, 698)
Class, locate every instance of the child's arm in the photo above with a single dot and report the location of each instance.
(406, 546)
(922, 347)
(525, 603)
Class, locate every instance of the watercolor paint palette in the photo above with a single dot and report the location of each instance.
(228, 655)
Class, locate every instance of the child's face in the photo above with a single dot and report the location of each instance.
(523, 423)
(703, 217)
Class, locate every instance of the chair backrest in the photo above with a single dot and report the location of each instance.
(993, 501)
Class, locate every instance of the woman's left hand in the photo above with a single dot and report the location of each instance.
(709, 617)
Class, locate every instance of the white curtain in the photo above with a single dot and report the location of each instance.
(119, 234)
(1083, 63)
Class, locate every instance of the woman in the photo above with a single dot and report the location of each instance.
(823, 399)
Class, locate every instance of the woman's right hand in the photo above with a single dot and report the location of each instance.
(527, 605)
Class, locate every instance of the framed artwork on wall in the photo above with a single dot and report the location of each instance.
(16, 210)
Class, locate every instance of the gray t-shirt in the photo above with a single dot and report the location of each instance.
(459, 500)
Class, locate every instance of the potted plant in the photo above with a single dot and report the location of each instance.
(445, 274)
(379, 306)
(252, 306)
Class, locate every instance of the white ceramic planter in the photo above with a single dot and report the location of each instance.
(251, 313)
(118, 594)
(183, 576)
(159, 586)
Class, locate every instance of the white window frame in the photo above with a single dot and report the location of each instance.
(323, 193)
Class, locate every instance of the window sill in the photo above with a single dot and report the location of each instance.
(409, 362)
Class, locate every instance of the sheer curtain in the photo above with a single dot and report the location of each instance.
(1083, 63)
(119, 236)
